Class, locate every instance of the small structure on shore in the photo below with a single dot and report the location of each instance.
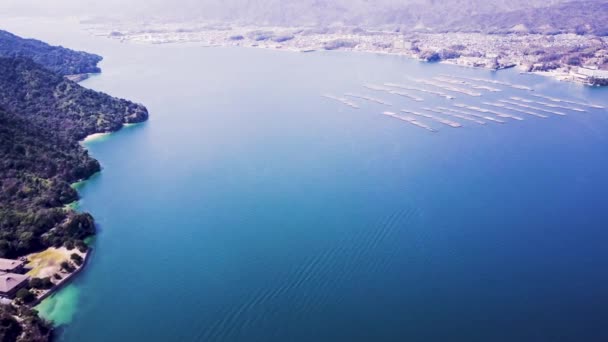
(10, 283)
(11, 265)
(592, 76)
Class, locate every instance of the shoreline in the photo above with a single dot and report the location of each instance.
(94, 137)
(492, 52)
(66, 280)
(56, 289)
(102, 135)
(556, 75)
(57, 319)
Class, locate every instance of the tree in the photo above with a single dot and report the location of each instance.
(41, 283)
(36, 283)
(82, 247)
(9, 328)
(76, 258)
(67, 266)
(25, 296)
(69, 245)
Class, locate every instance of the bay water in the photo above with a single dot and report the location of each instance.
(250, 208)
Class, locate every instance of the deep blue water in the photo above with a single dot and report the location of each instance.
(251, 209)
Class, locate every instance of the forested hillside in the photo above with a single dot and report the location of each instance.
(42, 118)
(55, 58)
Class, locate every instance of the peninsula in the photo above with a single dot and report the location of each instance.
(43, 116)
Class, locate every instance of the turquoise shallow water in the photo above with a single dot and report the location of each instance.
(251, 209)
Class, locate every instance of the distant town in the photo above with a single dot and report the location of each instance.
(565, 56)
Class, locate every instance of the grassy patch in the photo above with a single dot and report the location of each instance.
(46, 262)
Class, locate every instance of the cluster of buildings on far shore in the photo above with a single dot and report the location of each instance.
(566, 56)
(592, 75)
(12, 277)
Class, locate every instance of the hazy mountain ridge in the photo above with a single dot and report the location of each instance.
(550, 16)
(582, 17)
(409, 14)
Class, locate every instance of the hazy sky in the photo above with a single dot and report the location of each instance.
(282, 12)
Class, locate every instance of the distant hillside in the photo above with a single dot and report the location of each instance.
(581, 17)
(365, 13)
(404, 14)
(42, 118)
(498, 16)
(55, 58)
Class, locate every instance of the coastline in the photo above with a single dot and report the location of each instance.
(49, 312)
(54, 249)
(67, 279)
(94, 137)
(492, 52)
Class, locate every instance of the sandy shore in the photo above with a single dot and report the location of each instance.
(94, 136)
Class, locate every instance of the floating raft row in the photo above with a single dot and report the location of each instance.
(410, 120)
(515, 109)
(550, 105)
(469, 84)
(432, 92)
(538, 105)
(448, 87)
(554, 99)
(377, 87)
(447, 122)
(481, 116)
(407, 95)
(393, 92)
(465, 115)
(521, 99)
(460, 116)
(497, 113)
(341, 100)
(532, 107)
(507, 84)
(368, 98)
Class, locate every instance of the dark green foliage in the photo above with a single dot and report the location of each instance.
(41, 283)
(430, 56)
(69, 245)
(31, 327)
(10, 329)
(82, 247)
(67, 266)
(55, 58)
(69, 111)
(76, 258)
(42, 118)
(25, 296)
(36, 283)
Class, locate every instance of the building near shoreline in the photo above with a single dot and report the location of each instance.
(592, 76)
(10, 283)
(11, 265)
(10, 278)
